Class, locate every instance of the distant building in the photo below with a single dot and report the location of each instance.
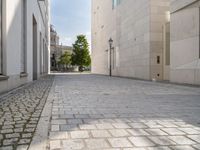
(54, 52)
(63, 49)
(56, 49)
(147, 44)
(24, 41)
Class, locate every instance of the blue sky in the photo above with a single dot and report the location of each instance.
(70, 18)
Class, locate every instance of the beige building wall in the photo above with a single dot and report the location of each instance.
(24, 51)
(136, 28)
(185, 50)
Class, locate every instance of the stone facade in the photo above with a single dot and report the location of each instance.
(141, 39)
(185, 50)
(137, 36)
(24, 41)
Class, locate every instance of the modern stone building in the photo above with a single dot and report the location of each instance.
(24, 41)
(140, 30)
(185, 39)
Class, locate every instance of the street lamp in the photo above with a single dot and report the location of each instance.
(111, 48)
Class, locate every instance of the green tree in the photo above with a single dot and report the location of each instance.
(81, 56)
(65, 59)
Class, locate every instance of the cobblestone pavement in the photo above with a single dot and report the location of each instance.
(97, 112)
(20, 111)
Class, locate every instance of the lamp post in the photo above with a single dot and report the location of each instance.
(111, 48)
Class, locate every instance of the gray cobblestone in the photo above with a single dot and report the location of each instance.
(22, 147)
(6, 131)
(24, 141)
(13, 135)
(27, 135)
(10, 141)
(21, 111)
(6, 148)
(18, 130)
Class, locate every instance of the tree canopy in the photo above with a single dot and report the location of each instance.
(81, 55)
(65, 59)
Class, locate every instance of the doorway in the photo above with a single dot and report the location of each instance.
(35, 68)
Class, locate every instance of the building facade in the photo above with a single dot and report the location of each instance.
(185, 50)
(143, 34)
(24, 41)
(54, 53)
(56, 49)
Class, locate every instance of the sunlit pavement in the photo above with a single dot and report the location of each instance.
(90, 112)
(98, 112)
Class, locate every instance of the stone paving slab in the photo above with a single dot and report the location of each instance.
(20, 112)
(91, 112)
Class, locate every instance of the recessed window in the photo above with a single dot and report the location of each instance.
(23, 47)
(158, 59)
(41, 54)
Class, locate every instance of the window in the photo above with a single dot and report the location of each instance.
(117, 57)
(43, 62)
(23, 45)
(167, 44)
(158, 59)
(1, 62)
(41, 54)
(115, 3)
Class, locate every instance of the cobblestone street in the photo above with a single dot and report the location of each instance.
(20, 111)
(97, 112)
(92, 112)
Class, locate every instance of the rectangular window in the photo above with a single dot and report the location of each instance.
(23, 46)
(43, 62)
(167, 44)
(158, 59)
(1, 62)
(117, 57)
(46, 58)
(41, 54)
